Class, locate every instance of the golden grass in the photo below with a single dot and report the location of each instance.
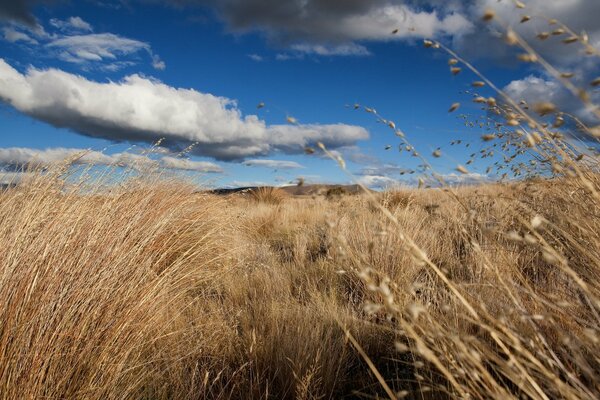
(154, 291)
(268, 194)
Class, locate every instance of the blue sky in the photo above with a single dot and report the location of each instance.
(200, 72)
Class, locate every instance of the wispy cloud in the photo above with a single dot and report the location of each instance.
(189, 165)
(348, 49)
(73, 40)
(71, 24)
(256, 57)
(273, 164)
(95, 47)
(14, 158)
(10, 34)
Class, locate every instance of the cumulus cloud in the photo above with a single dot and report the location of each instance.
(580, 15)
(533, 89)
(337, 21)
(14, 158)
(378, 181)
(140, 109)
(454, 179)
(273, 164)
(333, 27)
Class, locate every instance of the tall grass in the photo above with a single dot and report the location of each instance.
(154, 291)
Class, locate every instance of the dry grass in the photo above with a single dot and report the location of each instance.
(152, 291)
(268, 195)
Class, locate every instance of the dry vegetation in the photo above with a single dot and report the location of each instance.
(148, 289)
(153, 291)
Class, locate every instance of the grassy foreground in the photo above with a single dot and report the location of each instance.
(153, 291)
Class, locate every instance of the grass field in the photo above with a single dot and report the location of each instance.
(155, 291)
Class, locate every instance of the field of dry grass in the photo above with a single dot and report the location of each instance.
(154, 291)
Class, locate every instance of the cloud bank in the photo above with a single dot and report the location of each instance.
(140, 109)
(14, 158)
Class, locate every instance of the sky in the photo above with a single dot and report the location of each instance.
(238, 92)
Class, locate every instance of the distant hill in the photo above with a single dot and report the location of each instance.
(317, 189)
(295, 190)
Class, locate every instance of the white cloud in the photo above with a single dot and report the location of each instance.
(12, 35)
(71, 24)
(96, 47)
(189, 165)
(243, 184)
(378, 181)
(349, 49)
(331, 23)
(157, 63)
(17, 157)
(454, 179)
(71, 40)
(256, 57)
(144, 110)
(380, 22)
(534, 89)
(274, 164)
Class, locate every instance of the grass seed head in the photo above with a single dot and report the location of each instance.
(454, 107)
(462, 169)
(544, 108)
(488, 15)
(511, 38)
(543, 35)
(527, 57)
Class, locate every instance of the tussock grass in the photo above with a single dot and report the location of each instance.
(154, 291)
(268, 194)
